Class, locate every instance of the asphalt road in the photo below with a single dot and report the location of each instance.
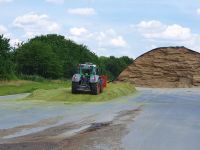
(170, 121)
(153, 119)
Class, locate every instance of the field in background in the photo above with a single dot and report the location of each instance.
(25, 86)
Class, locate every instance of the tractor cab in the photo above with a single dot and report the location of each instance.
(87, 69)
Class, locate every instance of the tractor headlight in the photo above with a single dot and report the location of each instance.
(74, 77)
(93, 78)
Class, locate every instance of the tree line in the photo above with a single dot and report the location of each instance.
(53, 57)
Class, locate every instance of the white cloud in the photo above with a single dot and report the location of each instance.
(56, 1)
(153, 24)
(105, 38)
(198, 11)
(78, 31)
(157, 30)
(13, 41)
(106, 42)
(3, 29)
(118, 42)
(109, 38)
(82, 11)
(176, 32)
(35, 24)
(5, 1)
(163, 34)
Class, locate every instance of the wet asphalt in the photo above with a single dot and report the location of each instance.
(169, 119)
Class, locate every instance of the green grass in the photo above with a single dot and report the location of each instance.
(60, 91)
(114, 90)
(22, 86)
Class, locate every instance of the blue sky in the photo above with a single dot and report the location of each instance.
(107, 27)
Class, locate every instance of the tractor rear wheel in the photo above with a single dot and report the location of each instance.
(95, 88)
(74, 87)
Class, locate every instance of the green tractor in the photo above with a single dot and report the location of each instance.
(88, 79)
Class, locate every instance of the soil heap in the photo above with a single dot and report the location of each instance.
(165, 67)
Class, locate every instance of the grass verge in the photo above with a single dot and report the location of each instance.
(114, 90)
(24, 86)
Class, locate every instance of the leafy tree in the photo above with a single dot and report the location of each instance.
(113, 66)
(69, 53)
(37, 58)
(54, 56)
(6, 65)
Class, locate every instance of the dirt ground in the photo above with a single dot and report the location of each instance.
(105, 135)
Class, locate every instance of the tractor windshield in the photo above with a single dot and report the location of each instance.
(86, 71)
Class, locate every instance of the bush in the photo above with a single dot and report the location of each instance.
(32, 78)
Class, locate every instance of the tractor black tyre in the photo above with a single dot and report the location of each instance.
(74, 87)
(95, 88)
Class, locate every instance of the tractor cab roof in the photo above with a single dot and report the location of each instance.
(87, 66)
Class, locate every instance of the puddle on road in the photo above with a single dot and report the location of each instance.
(14, 97)
(25, 132)
(28, 129)
(19, 118)
(73, 132)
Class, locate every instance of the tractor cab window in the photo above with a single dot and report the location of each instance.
(87, 71)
